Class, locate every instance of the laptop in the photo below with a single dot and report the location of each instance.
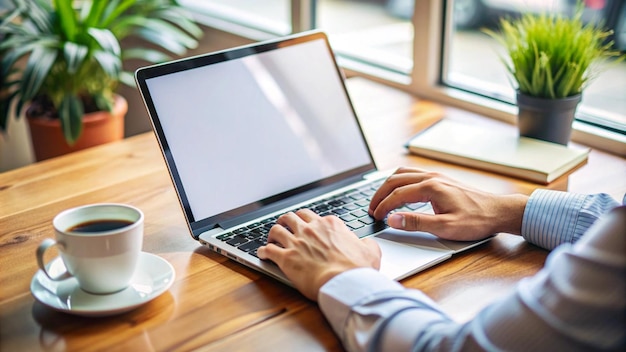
(252, 132)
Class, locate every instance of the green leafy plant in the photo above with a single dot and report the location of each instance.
(65, 55)
(553, 55)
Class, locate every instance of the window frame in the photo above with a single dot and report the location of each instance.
(432, 32)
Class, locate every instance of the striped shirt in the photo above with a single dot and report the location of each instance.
(577, 302)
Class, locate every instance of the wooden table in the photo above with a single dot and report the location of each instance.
(215, 303)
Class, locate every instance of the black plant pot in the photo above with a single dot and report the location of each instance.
(546, 119)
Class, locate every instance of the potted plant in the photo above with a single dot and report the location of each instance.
(551, 59)
(61, 62)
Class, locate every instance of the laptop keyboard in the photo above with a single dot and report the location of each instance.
(350, 206)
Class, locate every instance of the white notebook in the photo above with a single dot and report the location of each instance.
(497, 151)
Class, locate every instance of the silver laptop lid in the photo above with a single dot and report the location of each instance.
(252, 129)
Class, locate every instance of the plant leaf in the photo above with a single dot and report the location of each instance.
(160, 33)
(182, 18)
(110, 63)
(36, 14)
(14, 42)
(568, 87)
(13, 15)
(25, 29)
(45, 5)
(168, 29)
(71, 113)
(18, 106)
(128, 79)
(39, 63)
(114, 10)
(74, 56)
(549, 80)
(102, 102)
(67, 18)
(166, 42)
(95, 13)
(11, 56)
(106, 40)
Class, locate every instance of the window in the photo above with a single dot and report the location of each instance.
(378, 33)
(272, 16)
(433, 48)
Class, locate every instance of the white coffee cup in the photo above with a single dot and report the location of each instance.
(99, 244)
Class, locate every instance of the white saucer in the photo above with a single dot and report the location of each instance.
(153, 277)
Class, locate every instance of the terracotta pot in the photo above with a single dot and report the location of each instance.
(98, 128)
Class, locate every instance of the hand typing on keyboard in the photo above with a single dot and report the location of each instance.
(309, 255)
(461, 213)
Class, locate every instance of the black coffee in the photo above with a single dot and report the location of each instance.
(100, 225)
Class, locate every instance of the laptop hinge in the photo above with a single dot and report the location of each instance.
(195, 233)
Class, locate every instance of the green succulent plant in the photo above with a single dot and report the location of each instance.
(553, 55)
(66, 54)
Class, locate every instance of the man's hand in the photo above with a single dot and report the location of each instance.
(311, 250)
(461, 213)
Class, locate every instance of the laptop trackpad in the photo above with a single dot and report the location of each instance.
(400, 260)
(425, 239)
(415, 238)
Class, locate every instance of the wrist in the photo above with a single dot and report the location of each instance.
(510, 213)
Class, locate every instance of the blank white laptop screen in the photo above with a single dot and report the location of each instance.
(246, 129)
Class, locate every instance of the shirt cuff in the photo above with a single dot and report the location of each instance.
(554, 217)
(349, 288)
(549, 217)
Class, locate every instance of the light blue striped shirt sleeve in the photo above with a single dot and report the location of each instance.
(553, 217)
